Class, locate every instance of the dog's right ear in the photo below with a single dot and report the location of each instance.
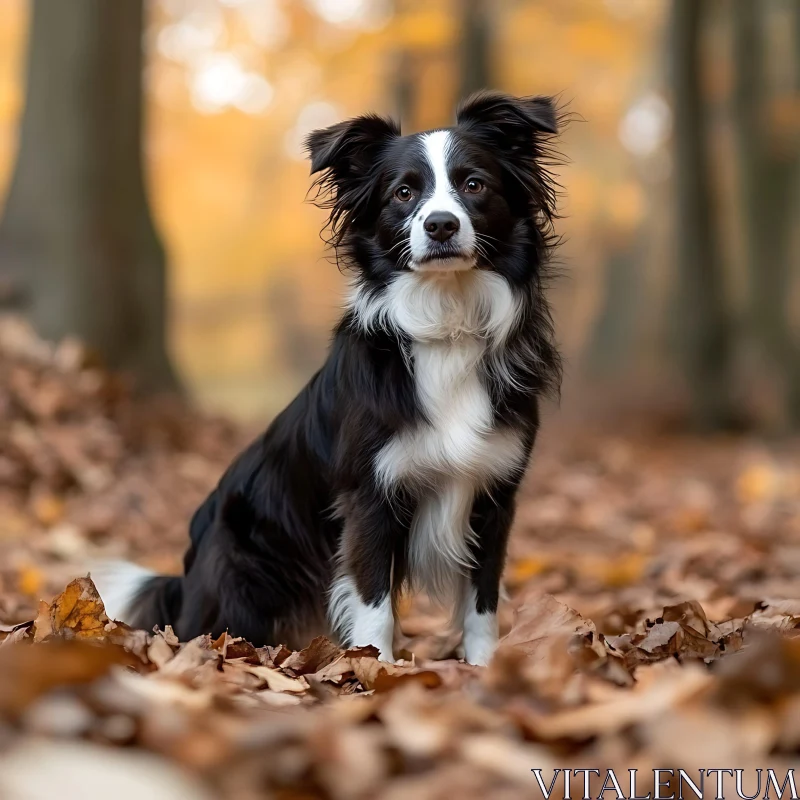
(349, 148)
(343, 156)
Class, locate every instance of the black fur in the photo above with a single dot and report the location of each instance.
(264, 545)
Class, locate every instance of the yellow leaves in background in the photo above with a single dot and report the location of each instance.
(603, 40)
(616, 571)
(47, 508)
(757, 482)
(523, 570)
(30, 581)
(432, 28)
(611, 571)
(12, 44)
(766, 481)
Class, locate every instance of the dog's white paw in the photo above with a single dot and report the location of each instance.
(479, 660)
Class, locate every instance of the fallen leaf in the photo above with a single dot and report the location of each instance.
(159, 652)
(276, 680)
(77, 610)
(91, 772)
(650, 699)
(540, 618)
(319, 653)
(661, 637)
(30, 581)
(28, 671)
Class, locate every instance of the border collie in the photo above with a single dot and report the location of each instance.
(398, 464)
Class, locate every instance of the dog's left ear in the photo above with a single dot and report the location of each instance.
(512, 121)
(518, 130)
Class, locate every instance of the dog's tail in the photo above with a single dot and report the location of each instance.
(137, 596)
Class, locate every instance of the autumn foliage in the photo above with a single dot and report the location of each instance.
(650, 619)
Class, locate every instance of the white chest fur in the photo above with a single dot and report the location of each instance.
(447, 458)
(455, 321)
(457, 439)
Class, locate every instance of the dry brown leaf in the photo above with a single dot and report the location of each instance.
(190, 659)
(134, 640)
(508, 759)
(387, 680)
(78, 611)
(383, 677)
(276, 680)
(169, 636)
(651, 698)
(239, 648)
(18, 634)
(28, 671)
(85, 770)
(661, 637)
(541, 618)
(276, 655)
(159, 652)
(319, 653)
(351, 764)
(342, 667)
(766, 670)
(689, 614)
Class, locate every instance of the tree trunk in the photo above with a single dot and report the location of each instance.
(403, 85)
(476, 45)
(77, 238)
(768, 178)
(612, 346)
(705, 335)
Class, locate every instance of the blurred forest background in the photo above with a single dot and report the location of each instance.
(152, 204)
(189, 256)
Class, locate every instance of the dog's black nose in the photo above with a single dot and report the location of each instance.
(441, 225)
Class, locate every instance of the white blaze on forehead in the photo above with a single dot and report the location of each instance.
(437, 147)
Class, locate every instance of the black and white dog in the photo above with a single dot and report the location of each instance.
(397, 465)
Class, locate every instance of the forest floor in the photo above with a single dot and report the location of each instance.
(651, 622)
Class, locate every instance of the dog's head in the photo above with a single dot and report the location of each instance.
(452, 199)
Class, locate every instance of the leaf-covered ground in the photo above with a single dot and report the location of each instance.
(650, 620)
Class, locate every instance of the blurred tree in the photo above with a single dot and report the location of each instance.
(769, 168)
(404, 77)
(612, 345)
(476, 47)
(403, 85)
(705, 335)
(77, 237)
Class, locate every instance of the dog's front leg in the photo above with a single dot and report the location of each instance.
(492, 515)
(360, 609)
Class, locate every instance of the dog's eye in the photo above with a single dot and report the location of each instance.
(403, 194)
(473, 186)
